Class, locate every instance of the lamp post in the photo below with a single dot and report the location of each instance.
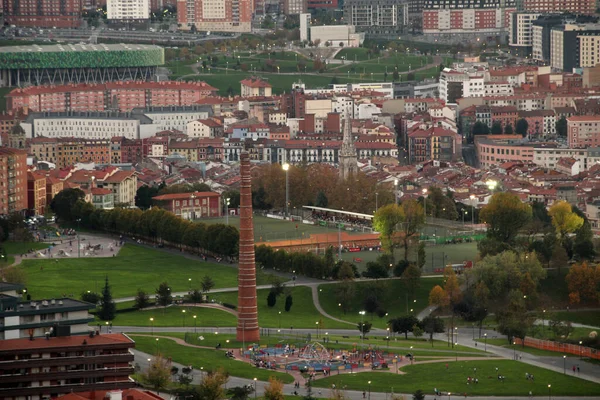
(376, 201)
(369, 390)
(227, 202)
(412, 357)
(455, 332)
(425, 203)
(152, 322)
(78, 239)
(456, 352)
(190, 283)
(362, 328)
(543, 318)
(183, 312)
(580, 349)
(317, 324)
(279, 319)
(286, 167)
(157, 348)
(565, 365)
(194, 324)
(472, 197)
(255, 388)
(193, 198)
(485, 341)
(396, 190)
(549, 391)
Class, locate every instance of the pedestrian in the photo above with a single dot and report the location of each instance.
(364, 394)
(578, 369)
(574, 369)
(446, 365)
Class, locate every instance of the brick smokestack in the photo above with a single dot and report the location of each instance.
(247, 325)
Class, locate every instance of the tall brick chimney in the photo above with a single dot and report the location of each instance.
(247, 325)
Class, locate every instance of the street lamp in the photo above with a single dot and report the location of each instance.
(227, 203)
(472, 197)
(564, 365)
(286, 167)
(194, 324)
(580, 349)
(78, 239)
(255, 388)
(369, 390)
(412, 356)
(193, 197)
(317, 324)
(157, 348)
(362, 328)
(152, 322)
(425, 202)
(456, 353)
(485, 340)
(396, 190)
(549, 391)
(491, 184)
(279, 319)
(190, 283)
(183, 312)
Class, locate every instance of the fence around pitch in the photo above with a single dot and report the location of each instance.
(565, 348)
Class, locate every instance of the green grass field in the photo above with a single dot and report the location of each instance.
(209, 360)
(303, 313)
(175, 317)
(529, 350)
(134, 267)
(454, 379)
(394, 300)
(587, 317)
(22, 247)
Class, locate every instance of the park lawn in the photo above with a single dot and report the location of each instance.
(134, 267)
(209, 360)
(585, 317)
(394, 298)
(430, 73)
(529, 350)
(358, 54)
(398, 342)
(303, 313)
(454, 379)
(174, 316)
(19, 248)
(555, 286)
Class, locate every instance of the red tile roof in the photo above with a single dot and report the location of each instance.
(184, 196)
(63, 341)
(119, 176)
(255, 83)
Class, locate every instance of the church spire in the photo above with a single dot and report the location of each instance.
(348, 163)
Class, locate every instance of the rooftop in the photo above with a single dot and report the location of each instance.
(69, 48)
(10, 345)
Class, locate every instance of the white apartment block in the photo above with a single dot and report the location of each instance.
(548, 157)
(589, 49)
(537, 43)
(521, 29)
(82, 127)
(129, 10)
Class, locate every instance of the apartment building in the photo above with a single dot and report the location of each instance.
(586, 7)
(215, 15)
(42, 13)
(127, 10)
(44, 368)
(383, 18)
(255, 87)
(122, 96)
(493, 150)
(36, 193)
(293, 7)
(433, 143)
(191, 205)
(520, 32)
(13, 180)
(583, 131)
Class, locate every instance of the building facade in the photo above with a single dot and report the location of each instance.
(586, 7)
(43, 13)
(520, 31)
(377, 18)
(36, 193)
(191, 206)
(215, 15)
(13, 180)
(583, 131)
(128, 10)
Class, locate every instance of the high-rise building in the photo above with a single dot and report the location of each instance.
(587, 7)
(13, 180)
(386, 18)
(291, 7)
(319, 4)
(215, 15)
(467, 17)
(128, 10)
(540, 30)
(520, 38)
(304, 27)
(572, 46)
(43, 13)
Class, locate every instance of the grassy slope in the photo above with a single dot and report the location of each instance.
(394, 300)
(174, 316)
(454, 379)
(135, 267)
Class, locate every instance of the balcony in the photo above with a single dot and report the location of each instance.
(59, 361)
(68, 374)
(60, 389)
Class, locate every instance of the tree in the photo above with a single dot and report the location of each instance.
(142, 300)
(583, 281)
(344, 294)
(411, 278)
(496, 128)
(196, 296)
(321, 200)
(288, 302)
(403, 324)
(385, 221)
(505, 215)
(371, 303)
(521, 127)
(163, 295)
(508, 129)
(63, 203)
(108, 308)
(274, 390)
(345, 272)
(433, 325)
(564, 219)
(364, 327)
(212, 385)
(480, 128)
(438, 297)
(421, 256)
(583, 247)
(561, 127)
(396, 75)
(89, 297)
(560, 258)
(158, 374)
(513, 319)
(414, 218)
(185, 379)
(418, 395)
(144, 195)
(271, 299)
(240, 392)
(207, 284)
(376, 271)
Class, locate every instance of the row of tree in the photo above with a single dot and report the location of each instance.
(155, 224)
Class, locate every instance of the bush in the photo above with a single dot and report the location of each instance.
(90, 297)
(232, 306)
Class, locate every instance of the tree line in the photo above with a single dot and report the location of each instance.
(155, 225)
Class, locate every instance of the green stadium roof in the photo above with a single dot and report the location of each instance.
(81, 56)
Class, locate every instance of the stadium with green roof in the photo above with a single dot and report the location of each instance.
(78, 63)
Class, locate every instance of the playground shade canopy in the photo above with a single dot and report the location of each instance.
(341, 213)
